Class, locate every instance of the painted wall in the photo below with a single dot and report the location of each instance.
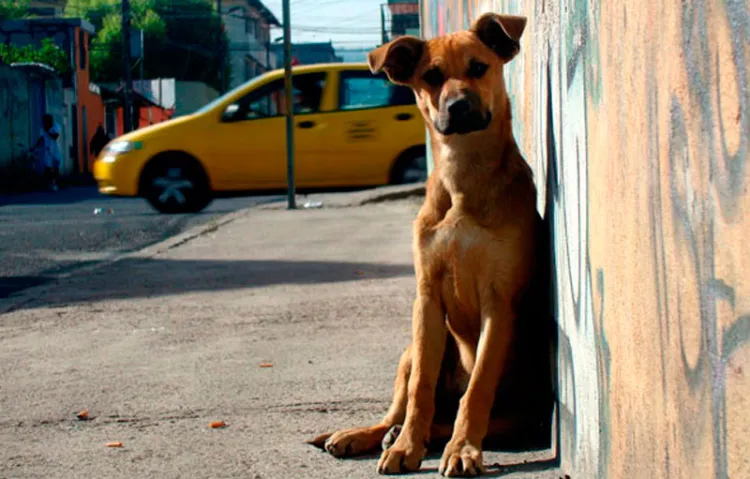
(147, 116)
(15, 133)
(94, 118)
(25, 96)
(636, 119)
(89, 101)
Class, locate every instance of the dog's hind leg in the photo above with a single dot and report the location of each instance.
(363, 440)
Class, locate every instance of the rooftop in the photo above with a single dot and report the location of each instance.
(44, 23)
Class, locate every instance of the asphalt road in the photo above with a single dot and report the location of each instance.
(43, 235)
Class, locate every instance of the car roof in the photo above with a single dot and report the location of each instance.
(320, 67)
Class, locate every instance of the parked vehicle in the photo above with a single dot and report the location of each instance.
(352, 128)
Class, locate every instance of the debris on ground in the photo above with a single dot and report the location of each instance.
(217, 424)
(83, 415)
(313, 205)
(114, 444)
(266, 365)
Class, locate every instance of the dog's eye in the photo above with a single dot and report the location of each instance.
(477, 69)
(434, 77)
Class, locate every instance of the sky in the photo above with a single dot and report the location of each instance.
(348, 23)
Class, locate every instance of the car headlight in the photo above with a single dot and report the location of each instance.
(121, 147)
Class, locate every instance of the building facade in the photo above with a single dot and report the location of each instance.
(83, 105)
(27, 92)
(248, 26)
(308, 53)
(404, 18)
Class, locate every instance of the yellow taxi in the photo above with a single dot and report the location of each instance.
(351, 129)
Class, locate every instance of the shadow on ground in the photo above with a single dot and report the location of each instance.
(146, 278)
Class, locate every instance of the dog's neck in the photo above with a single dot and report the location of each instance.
(481, 158)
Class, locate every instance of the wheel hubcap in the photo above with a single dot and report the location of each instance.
(172, 186)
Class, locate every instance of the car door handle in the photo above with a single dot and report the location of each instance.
(306, 124)
(403, 116)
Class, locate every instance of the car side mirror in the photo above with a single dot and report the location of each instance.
(230, 113)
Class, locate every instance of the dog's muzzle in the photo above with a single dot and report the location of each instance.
(462, 115)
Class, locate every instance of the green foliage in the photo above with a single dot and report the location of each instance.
(47, 53)
(180, 38)
(13, 9)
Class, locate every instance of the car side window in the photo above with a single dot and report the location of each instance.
(361, 89)
(269, 101)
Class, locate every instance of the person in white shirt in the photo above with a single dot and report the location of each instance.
(49, 150)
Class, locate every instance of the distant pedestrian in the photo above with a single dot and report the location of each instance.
(48, 149)
(98, 141)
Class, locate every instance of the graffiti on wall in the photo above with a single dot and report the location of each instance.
(636, 120)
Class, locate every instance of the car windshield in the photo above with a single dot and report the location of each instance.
(213, 103)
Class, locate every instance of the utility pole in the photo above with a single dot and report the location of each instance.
(384, 37)
(220, 49)
(268, 50)
(290, 190)
(127, 108)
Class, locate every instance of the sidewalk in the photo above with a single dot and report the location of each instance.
(159, 344)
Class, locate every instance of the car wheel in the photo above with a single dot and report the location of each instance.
(411, 168)
(176, 186)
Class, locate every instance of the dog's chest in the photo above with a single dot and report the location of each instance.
(456, 252)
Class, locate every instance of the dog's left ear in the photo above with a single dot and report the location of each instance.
(500, 33)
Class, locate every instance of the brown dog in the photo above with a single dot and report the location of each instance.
(479, 363)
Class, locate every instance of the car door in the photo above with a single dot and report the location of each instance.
(311, 126)
(375, 122)
(249, 142)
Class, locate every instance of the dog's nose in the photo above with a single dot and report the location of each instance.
(458, 109)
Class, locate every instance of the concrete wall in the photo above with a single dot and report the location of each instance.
(20, 123)
(190, 96)
(636, 119)
(15, 134)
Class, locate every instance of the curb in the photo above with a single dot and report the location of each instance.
(329, 200)
(353, 199)
(16, 301)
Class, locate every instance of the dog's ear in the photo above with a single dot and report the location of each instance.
(398, 59)
(500, 33)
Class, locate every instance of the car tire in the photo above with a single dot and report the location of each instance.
(176, 184)
(411, 167)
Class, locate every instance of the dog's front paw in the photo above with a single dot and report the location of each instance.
(461, 458)
(349, 442)
(404, 455)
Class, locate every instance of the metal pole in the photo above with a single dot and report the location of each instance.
(268, 51)
(143, 54)
(384, 38)
(220, 49)
(127, 109)
(290, 193)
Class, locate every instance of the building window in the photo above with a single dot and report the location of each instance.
(82, 48)
(262, 33)
(110, 120)
(251, 27)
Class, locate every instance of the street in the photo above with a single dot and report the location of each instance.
(280, 335)
(45, 234)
